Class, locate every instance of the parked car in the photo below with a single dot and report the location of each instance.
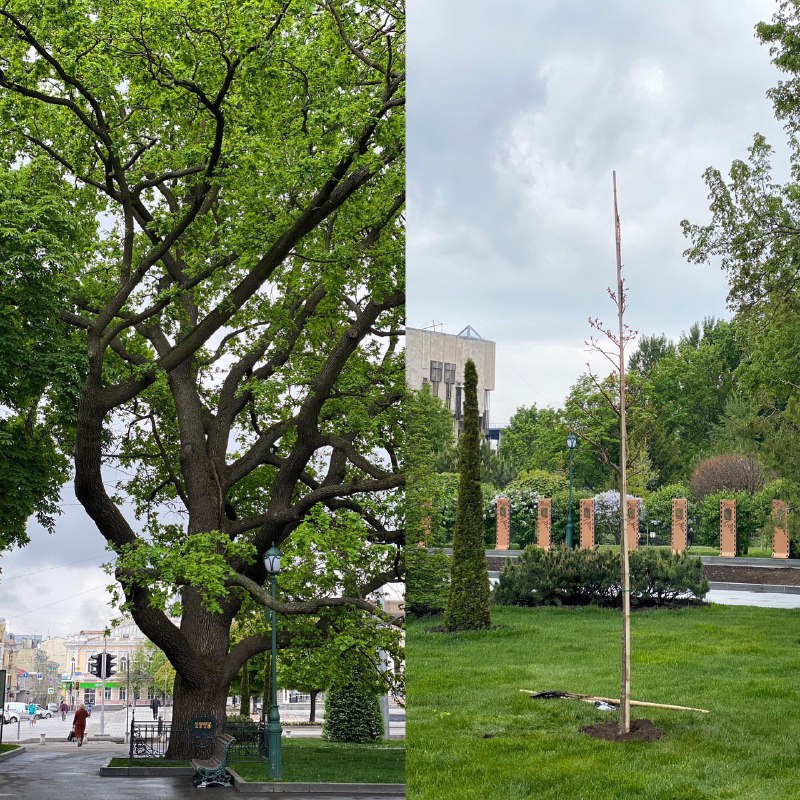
(42, 713)
(54, 707)
(14, 712)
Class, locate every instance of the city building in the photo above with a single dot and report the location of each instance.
(438, 359)
(122, 643)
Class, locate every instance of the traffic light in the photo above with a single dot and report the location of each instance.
(96, 665)
(111, 667)
(77, 685)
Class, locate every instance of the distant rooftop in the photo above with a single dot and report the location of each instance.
(470, 333)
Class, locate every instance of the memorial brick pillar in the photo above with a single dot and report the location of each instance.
(633, 523)
(503, 523)
(544, 522)
(587, 523)
(680, 525)
(780, 536)
(727, 528)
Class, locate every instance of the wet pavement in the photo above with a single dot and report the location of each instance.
(52, 771)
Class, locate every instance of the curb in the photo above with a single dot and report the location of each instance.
(11, 753)
(312, 791)
(768, 588)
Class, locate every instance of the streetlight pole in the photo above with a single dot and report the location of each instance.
(572, 440)
(272, 561)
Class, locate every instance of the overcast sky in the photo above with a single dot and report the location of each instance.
(518, 113)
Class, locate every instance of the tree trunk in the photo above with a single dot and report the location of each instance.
(189, 703)
(245, 685)
(312, 717)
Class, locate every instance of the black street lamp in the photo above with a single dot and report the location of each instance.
(572, 440)
(272, 561)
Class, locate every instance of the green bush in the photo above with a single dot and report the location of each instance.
(752, 513)
(592, 577)
(352, 712)
(427, 581)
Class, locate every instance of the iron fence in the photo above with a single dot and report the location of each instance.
(151, 739)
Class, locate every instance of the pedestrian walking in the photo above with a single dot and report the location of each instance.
(89, 709)
(63, 708)
(155, 703)
(79, 723)
(32, 713)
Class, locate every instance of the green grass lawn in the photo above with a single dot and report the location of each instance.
(320, 761)
(4, 748)
(473, 735)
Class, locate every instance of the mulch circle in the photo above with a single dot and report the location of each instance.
(642, 730)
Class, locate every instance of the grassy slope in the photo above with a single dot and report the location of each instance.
(742, 663)
(316, 760)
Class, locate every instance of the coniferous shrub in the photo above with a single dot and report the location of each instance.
(352, 712)
(592, 577)
(468, 602)
(427, 581)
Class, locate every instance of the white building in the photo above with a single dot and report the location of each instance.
(438, 359)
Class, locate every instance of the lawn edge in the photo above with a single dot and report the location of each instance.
(318, 789)
(20, 748)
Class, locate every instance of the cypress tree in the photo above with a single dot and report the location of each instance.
(468, 603)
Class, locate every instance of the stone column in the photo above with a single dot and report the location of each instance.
(544, 522)
(633, 523)
(503, 523)
(680, 525)
(727, 528)
(780, 537)
(587, 523)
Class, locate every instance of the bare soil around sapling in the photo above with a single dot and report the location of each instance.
(642, 730)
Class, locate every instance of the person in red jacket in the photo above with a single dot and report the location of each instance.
(79, 723)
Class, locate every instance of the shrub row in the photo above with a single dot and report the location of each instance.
(592, 577)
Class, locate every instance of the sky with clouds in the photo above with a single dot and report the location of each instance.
(518, 113)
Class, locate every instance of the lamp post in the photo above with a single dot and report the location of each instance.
(572, 440)
(272, 562)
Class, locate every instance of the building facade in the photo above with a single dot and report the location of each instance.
(438, 359)
(123, 643)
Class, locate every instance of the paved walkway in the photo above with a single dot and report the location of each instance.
(748, 598)
(58, 770)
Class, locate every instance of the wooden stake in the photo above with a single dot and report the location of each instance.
(591, 698)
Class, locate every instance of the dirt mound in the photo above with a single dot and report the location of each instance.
(642, 730)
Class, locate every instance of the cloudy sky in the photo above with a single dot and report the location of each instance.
(518, 113)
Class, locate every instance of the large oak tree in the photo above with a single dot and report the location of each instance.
(231, 318)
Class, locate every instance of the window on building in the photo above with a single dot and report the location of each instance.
(108, 693)
(458, 403)
(436, 371)
(435, 388)
(448, 389)
(449, 373)
(123, 694)
(88, 696)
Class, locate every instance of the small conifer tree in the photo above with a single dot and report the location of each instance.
(468, 603)
(352, 711)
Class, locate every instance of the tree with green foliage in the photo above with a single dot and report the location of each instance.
(468, 603)
(535, 439)
(238, 312)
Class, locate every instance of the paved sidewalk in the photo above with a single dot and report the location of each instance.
(54, 771)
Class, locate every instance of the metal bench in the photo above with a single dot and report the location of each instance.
(212, 770)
